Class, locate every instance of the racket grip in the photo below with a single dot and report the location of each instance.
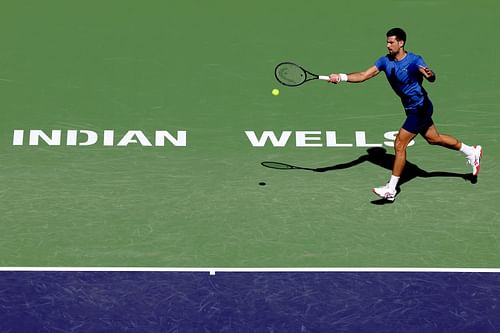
(324, 77)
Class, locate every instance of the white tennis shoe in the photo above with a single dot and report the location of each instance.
(475, 159)
(385, 192)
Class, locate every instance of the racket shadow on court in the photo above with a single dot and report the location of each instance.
(379, 156)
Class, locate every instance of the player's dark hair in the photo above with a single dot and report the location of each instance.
(399, 33)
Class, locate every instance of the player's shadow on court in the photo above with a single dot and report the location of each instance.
(380, 157)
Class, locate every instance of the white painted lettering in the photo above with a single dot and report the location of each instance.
(53, 140)
(180, 141)
(302, 138)
(130, 137)
(331, 140)
(268, 135)
(18, 138)
(361, 140)
(109, 138)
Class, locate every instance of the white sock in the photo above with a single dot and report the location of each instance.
(466, 150)
(393, 182)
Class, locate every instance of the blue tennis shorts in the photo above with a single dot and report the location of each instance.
(419, 119)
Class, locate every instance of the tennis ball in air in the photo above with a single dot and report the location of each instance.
(275, 92)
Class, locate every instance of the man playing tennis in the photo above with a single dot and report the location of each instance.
(405, 72)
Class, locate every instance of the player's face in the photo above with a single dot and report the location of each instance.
(393, 45)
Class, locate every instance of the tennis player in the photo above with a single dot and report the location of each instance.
(405, 72)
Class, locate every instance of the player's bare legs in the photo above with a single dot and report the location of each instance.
(433, 137)
(473, 154)
(389, 191)
(402, 140)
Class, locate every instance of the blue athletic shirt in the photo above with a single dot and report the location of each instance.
(405, 78)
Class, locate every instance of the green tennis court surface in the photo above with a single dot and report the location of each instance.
(99, 195)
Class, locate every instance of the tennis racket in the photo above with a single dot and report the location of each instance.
(293, 75)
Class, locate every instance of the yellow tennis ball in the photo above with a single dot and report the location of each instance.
(275, 92)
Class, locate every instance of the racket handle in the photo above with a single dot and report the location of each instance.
(324, 77)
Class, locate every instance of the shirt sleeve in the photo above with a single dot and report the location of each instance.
(381, 63)
(420, 62)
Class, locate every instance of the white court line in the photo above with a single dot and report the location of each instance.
(214, 270)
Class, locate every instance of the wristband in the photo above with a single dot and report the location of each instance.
(343, 77)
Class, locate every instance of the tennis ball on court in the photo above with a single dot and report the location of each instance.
(275, 92)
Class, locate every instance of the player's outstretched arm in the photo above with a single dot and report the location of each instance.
(355, 77)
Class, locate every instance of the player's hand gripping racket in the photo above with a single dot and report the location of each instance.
(292, 75)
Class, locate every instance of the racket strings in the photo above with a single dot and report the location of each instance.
(290, 74)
